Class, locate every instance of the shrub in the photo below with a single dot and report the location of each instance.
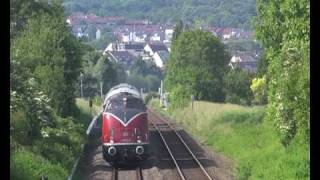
(149, 96)
(259, 90)
(237, 87)
(179, 97)
(20, 127)
(25, 165)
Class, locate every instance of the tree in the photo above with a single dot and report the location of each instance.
(198, 62)
(145, 75)
(45, 46)
(105, 73)
(262, 66)
(237, 86)
(284, 28)
(178, 29)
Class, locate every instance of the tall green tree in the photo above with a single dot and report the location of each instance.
(283, 28)
(145, 75)
(49, 51)
(237, 86)
(178, 29)
(105, 73)
(198, 62)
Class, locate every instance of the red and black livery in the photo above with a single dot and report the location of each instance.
(124, 125)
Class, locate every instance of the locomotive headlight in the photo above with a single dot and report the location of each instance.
(112, 151)
(139, 150)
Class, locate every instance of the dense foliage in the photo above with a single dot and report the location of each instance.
(98, 70)
(46, 126)
(237, 87)
(215, 12)
(150, 96)
(259, 90)
(283, 28)
(51, 54)
(145, 75)
(197, 64)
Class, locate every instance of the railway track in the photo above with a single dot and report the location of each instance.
(187, 164)
(129, 174)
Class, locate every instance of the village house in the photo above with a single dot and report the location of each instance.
(150, 49)
(123, 57)
(98, 34)
(160, 58)
(155, 37)
(134, 49)
(243, 61)
(157, 53)
(168, 35)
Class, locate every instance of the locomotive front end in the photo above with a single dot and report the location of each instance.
(124, 126)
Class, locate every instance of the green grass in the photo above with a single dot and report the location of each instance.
(54, 155)
(85, 116)
(25, 165)
(241, 134)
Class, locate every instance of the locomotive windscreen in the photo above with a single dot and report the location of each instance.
(125, 106)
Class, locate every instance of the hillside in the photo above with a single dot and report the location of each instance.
(222, 13)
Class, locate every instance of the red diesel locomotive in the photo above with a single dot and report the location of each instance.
(124, 125)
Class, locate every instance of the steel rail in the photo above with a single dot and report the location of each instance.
(139, 173)
(170, 152)
(185, 145)
(114, 173)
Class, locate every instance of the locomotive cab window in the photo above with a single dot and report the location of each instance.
(135, 103)
(127, 102)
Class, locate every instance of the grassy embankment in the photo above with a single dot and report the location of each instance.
(53, 156)
(242, 134)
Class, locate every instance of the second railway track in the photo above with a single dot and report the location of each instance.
(187, 164)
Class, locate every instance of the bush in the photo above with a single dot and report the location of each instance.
(20, 127)
(149, 96)
(259, 90)
(97, 101)
(179, 97)
(237, 87)
(25, 165)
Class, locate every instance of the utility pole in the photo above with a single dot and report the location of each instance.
(141, 93)
(161, 91)
(101, 89)
(81, 75)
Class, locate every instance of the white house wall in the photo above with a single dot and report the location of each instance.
(147, 48)
(158, 60)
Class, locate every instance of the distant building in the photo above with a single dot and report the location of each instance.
(168, 34)
(98, 34)
(160, 58)
(123, 57)
(134, 49)
(155, 37)
(245, 62)
(153, 48)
